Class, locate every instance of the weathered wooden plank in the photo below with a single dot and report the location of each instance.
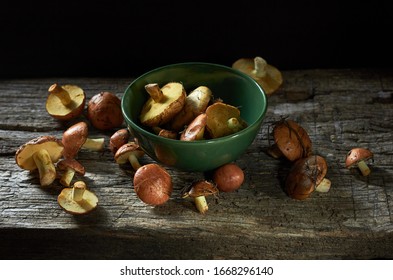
(340, 109)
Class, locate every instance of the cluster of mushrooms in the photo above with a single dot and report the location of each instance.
(57, 158)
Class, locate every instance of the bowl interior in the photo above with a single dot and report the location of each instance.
(232, 86)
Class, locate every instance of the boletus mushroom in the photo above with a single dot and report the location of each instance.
(69, 166)
(77, 200)
(266, 75)
(199, 190)
(104, 111)
(65, 102)
(305, 176)
(290, 140)
(129, 153)
(228, 177)
(118, 139)
(40, 153)
(153, 184)
(196, 129)
(357, 157)
(164, 103)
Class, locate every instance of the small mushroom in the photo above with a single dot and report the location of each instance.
(118, 139)
(220, 120)
(305, 176)
(196, 129)
(40, 153)
(266, 75)
(228, 177)
(104, 111)
(166, 133)
(291, 140)
(129, 152)
(70, 166)
(65, 102)
(199, 190)
(153, 184)
(164, 103)
(77, 200)
(357, 157)
(196, 103)
(76, 137)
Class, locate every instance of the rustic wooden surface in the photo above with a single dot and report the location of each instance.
(340, 109)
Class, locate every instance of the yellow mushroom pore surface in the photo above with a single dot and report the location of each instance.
(55, 107)
(26, 160)
(89, 201)
(218, 115)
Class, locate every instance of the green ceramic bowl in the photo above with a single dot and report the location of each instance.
(232, 86)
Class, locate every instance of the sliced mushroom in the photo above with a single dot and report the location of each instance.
(357, 157)
(40, 153)
(164, 103)
(199, 190)
(77, 200)
(266, 75)
(65, 102)
(70, 166)
(129, 152)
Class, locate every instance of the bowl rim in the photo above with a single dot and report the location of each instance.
(251, 126)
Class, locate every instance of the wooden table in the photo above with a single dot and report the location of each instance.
(340, 109)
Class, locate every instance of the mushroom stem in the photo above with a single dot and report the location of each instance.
(260, 67)
(155, 92)
(45, 167)
(133, 159)
(61, 93)
(96, 144)
(364, 168)
(201, 204)
(274, 151)
(67, 176)
(234, 124)
(78, 191)
(324, 185)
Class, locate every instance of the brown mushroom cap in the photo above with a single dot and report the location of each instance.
(201, 188)
(357, 154)
(72, 164)
(153, 184)
(104, 111)
(123, 153)
(118, 139)
(88, 200)
(74, 138)
(292, 140)
(24, 154)
(266, 75)
(196, 129)
(73, 107)
(164, 103)
(305, 175)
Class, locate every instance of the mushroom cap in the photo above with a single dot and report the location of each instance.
(270, 82)
(305, 175)
(104, 111)
(58, 110)
(292, 140)
(74, 138)
(122, 154)
(87, 204)
(118, 139)
(201, 188)
(51, 144)
(357, 154)
(71, 163)
(157, 113)
(153, 184)
(195, 129)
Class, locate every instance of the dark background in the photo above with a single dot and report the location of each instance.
(127, 38)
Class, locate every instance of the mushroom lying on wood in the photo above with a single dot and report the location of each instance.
(70, 166)
(199, 190)
(104, 111)
(65, 102)
(129, 152)
(357, 157)
(164, 103)
(77, 200)
(228, 177)
(118, 139)
(40, 153)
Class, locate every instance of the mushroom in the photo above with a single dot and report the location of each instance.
(228, 177)
(104, 111)
(65, 102)
(129, 152)
(198, 191)
(164, 103)
(266, 75)
(40, 153)
(118, 139)
(220, 120)
(77, 200)
(196, 103)
(153, 184)
(357, 157)
(291, 140)
(166, 133)
(70, 166)
(305, 176)
(75, 138)
(196, 129)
